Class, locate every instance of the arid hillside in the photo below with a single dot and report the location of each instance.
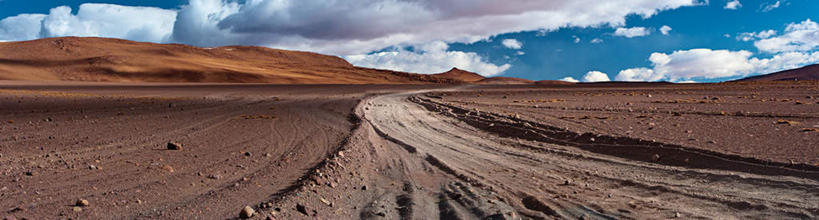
(810, 72)
(115, 60)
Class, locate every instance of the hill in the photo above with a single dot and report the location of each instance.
(115, 60)
(810, 72)
(460, 75)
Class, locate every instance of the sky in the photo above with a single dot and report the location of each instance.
(571, 40)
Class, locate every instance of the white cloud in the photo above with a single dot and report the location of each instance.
(512, 44)
(770, 7)
(101, 20)
(784, 61)
(802, 36)
(21, 27)
(631, 32)
(595, 76)
(665, 29)
(749, 36)
(431, 58)
(686, 65)
(576, 39)
(596, 41)
(733, 5)
(362, 26)
(569, 79)
(520, 53)
(638, 74)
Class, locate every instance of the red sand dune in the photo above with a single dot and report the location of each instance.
(115, 60)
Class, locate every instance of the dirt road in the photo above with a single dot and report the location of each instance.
(472, 173)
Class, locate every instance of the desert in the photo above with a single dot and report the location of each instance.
(409, 109)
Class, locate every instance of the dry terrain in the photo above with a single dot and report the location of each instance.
(550, 151)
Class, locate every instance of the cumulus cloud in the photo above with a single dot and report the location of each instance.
(803, 36)
(430, 58)
(631, 32)
(569, 79)
(512, 44)
(637, 74)
(733, 5)
(665, 29)
(21, 27)
(596, 41)
(596, 76)
(99, 20)
(686, 65)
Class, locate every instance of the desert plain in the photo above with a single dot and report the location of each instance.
(87, 150)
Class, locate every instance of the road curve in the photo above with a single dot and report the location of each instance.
(473, 173)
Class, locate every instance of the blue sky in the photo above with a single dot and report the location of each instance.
(583, 40)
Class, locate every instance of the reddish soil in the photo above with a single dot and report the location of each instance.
(770, 121)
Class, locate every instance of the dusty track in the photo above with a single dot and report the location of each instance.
(544, 180)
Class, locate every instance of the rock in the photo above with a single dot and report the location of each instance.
(174, 146)
(677, 215)
(248, 154)
(92, 167)
(168, 168)
(655, 157)
(302, 209)
(247, 212)
(77, 209)
(214, 176)
(326, 202)
(82, 202)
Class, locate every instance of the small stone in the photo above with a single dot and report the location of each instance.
(655, 157)
(214, 176)
(92, 167)
(302, 209)
(248, 154)
(567, 182)
(77, 209)
(168, 168)
(247, 212)
(174, 146)
(82, 202)
(326, 202)
(677, 215)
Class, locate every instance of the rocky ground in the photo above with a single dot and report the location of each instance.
(409, 152)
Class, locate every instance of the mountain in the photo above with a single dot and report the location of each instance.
(115, 60)
(460, 75)
(810, 72)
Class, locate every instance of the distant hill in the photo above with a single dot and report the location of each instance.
(810, 72)
(505, 80)
(553, 82)
(115, 60)
(460, 75)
